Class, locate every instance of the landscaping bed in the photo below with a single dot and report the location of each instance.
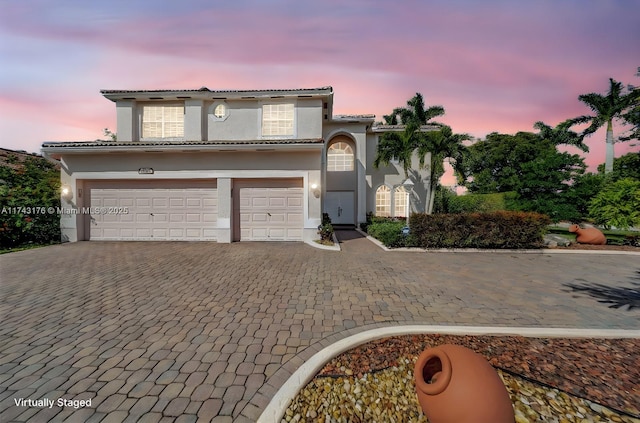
(549, 379)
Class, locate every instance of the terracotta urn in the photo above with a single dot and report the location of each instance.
(456, 385)
(588, 235)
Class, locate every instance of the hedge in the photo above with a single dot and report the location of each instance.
(472, 203)
(389, 232)
(500, 230)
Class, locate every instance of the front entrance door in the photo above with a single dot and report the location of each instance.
(340, 205)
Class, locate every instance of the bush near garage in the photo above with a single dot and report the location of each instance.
(325, 230)
(28, 183)
(500, 230)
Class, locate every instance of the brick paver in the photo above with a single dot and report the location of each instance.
(209, 332)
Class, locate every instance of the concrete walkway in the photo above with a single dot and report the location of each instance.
(163, 331)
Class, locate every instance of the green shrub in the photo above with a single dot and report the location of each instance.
(325, 230)
(502, 229)
(31, 183)
(389, 232)
(617, 204)
(472, 203)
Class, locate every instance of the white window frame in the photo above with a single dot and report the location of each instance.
(383, 209)
(343, 160)
(400, 202)
(212, 111)
(165, 122)
(268, 131)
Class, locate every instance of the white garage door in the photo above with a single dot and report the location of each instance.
(271, 214)
(185, 214)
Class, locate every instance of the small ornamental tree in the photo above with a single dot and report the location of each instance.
(617, 204)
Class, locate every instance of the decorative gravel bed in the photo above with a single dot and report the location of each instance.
(549, 379)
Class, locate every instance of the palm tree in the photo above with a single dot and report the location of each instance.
(561, 134)
(400, 145)
(417, 137)
(607, 108)
(442, 144)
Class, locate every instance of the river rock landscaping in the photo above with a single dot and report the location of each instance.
(549, 380)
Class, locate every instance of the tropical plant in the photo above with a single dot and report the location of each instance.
(627, 166)
(416, 137)
(617, 204)
(561, 135)
(528, 164)
(613, 106)
(632, 117)
(112, 135)
(442, 144)
(401, 145)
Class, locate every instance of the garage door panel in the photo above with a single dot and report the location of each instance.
(143, 202)
(194, 218)
(271, 214)
(278, 218)
(259, 202)
(294, 202)
(277, 202)
(176, 203)
(155, 213)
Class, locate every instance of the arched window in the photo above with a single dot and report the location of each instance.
(220, 111)
(340, 157)
(400, 202)
(383, 201)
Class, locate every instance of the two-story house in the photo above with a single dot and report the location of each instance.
(257, 165)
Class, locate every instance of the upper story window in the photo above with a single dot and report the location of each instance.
(340, 157)
(278, 120)
(163, 121)
(218, 111)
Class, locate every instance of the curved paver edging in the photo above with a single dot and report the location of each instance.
(488, 250)
(275, 410)
(334, 247)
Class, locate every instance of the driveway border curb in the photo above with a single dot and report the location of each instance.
(498, 251)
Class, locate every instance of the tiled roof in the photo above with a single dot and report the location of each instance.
(216, 91)
(394, 128)
(117, 144)
(354, 117)
(204, 91)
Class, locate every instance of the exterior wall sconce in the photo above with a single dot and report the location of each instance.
(65, 192)
(315, 189)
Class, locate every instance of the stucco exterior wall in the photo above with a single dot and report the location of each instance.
(221, 161)
(242, 123)
(393, 176)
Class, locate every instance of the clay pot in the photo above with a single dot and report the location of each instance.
(588, 235)
(456, 385)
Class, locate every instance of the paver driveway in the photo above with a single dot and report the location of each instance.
(165, 331)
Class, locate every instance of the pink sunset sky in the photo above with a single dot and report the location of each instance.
(495, 65)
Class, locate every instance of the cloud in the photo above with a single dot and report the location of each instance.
(495, 65)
